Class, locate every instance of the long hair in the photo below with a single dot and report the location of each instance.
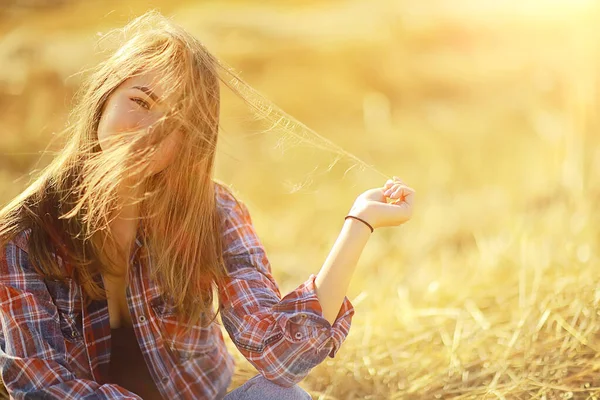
(69, 206)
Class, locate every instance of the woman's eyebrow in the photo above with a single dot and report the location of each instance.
(148, 91)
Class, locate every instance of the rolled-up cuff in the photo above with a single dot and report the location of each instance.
(303, 318)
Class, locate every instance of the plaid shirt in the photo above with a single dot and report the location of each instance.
(53, 347)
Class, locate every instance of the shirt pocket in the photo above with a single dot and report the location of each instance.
(67, 299)
(303, 326)
(184, 341)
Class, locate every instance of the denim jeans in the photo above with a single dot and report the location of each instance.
(259, 388)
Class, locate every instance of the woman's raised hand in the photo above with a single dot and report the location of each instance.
(390, 205)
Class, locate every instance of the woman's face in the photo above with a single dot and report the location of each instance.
(135, 105)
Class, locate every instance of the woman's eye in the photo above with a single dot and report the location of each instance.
(141, 102)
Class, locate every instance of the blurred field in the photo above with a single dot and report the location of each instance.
(488, 111)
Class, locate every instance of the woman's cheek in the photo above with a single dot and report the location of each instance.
(118, 118)
(124, 118)
(166, 152)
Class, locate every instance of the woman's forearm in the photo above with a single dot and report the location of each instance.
(333, 279)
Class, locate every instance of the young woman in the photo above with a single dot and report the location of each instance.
(109, 258)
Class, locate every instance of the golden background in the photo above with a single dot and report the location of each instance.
(487, 109)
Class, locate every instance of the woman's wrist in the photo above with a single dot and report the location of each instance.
(361, 220)
(361, 215)
(354, 225)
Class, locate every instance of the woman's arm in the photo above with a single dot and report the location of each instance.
(282, 337)
(334, 277)
(285, 337)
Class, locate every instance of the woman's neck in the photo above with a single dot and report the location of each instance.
(124, 227)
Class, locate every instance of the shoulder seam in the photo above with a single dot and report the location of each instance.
(225, 196)
(21, 240)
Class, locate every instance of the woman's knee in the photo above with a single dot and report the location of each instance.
(259, 388)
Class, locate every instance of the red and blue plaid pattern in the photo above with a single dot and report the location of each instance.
(53, 347)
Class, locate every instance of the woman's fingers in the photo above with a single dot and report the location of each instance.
(391, 182)
(402, 194)
(397, 191)
(391, 189)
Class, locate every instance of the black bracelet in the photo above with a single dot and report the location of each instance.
(361, 220)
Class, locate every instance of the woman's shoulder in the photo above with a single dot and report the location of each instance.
(21, 240)
(18, 274)
(14, 257)
(226, 199)
(18, 241)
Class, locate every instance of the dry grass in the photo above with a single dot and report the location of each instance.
(491, 291)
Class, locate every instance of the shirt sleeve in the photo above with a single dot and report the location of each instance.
(284, 338)
(33, 359)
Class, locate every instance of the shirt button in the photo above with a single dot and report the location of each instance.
(165, 380)
(302, 315)
(298, 335)
(142, 318)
